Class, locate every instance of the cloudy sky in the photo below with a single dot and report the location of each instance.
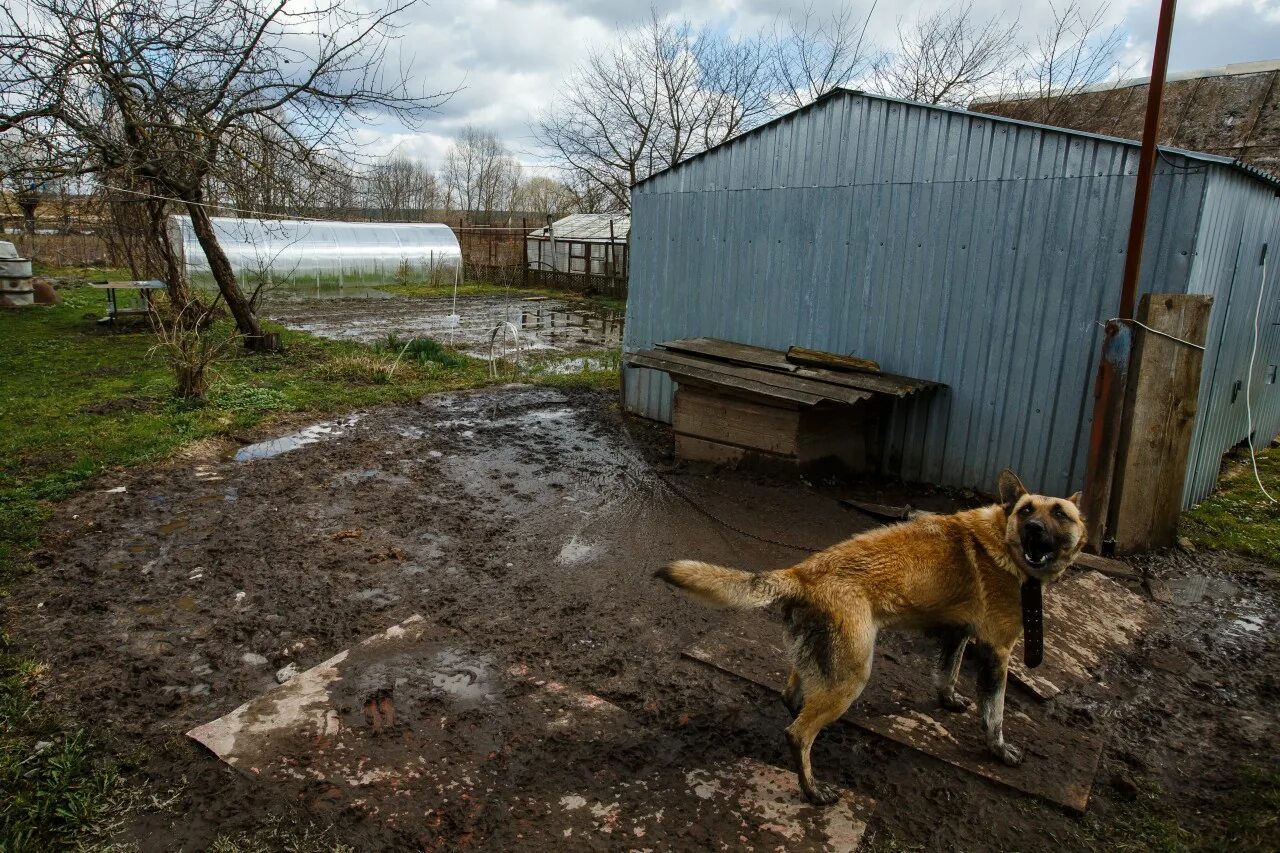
(507, 57)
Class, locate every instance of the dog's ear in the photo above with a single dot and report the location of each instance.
(1076, 499)
(1010, 488)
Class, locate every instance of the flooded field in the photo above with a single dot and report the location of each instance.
(484, 326)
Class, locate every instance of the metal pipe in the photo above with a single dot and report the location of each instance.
(1113, 367)
(1146, 162)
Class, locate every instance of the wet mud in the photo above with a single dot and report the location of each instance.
(526, 524)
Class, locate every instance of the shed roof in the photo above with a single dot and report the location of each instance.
(588, 227)
(1230, 162)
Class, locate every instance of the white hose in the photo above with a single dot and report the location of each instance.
(1248, 390)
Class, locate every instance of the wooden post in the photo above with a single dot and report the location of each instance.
(1158, 418)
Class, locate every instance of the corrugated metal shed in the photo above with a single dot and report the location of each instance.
(978, 252)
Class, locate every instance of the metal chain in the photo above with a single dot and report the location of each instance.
(691, 502)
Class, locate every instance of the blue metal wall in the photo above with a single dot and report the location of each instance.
(946, 245)
(1239, 218)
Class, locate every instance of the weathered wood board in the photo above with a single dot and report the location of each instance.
(453, 747)
(806, 357)
(675, 362)
(776, 360)
(1160, 408)
(1086, 618)
(899, 704)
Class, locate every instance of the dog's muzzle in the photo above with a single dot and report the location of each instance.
(1038, 547)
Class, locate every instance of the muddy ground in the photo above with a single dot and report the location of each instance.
(530, 521)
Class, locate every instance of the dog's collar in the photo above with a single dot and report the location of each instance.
(1032, 622)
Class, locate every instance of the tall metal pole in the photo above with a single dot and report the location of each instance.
(1113, 369)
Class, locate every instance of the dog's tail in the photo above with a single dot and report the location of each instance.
(727, 587)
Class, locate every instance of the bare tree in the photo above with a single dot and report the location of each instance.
(1077, 50)
(479, 173)
(812, 56)
(663, 92)
(163, 91)
(401, 188)
(948, 57)
(545, 196)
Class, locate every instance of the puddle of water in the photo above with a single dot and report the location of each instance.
(465, 678)
(575, 552)
(567, 366)
(317, 432)
(173, 525)
(544, 415)
(483, 327)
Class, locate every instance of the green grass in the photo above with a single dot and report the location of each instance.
(484, 288)
(598, 370)
(1238, 517)
(60, 787)
(275, 834)
(421, 350)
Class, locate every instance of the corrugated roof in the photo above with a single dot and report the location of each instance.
(588, 227)
(1230, 162)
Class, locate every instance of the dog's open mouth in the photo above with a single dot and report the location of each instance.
(1037, 562)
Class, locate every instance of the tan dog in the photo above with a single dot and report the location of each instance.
(955, 576)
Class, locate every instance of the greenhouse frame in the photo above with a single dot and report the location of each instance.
(297, 254)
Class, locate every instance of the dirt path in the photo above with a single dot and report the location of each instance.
(530, 522)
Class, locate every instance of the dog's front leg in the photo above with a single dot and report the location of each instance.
(993, 672)
(951, 646)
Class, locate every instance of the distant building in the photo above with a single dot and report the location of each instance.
(1232, 111)
(584, 243)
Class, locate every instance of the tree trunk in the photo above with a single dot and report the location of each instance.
(224, 275)
(188, 307)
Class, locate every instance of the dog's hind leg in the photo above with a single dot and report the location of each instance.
(793, 694)
(951, 645)
(828, 690)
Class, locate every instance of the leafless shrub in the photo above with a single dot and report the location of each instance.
(190, 344)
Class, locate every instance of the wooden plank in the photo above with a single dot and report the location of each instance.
(806, 357)
(899, 704)
(776, 360)
(1087, 617)
(711, 374)
(822, 390)
(1159, 417)
(694, 449)
(1110, 568)
(381, 729)
(735, 420)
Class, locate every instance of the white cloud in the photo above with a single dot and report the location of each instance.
(509, 56)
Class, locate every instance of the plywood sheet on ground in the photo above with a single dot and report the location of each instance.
(898, 704)
(1086, 618)
(452, 745)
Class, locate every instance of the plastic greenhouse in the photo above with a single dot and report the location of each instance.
(297, 254)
